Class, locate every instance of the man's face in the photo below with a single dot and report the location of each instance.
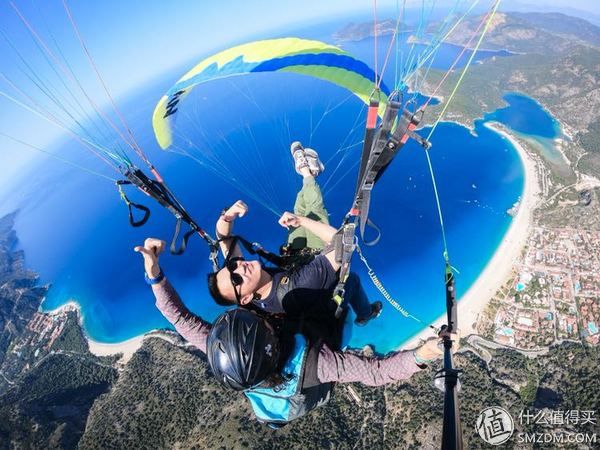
(242, 277)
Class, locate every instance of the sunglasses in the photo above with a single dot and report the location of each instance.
(236, 279)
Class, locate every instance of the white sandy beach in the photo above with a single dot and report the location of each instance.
(127, 348)
(498, 269)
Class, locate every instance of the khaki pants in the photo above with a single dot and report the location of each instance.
(309, 203)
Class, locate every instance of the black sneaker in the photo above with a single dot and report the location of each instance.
(376, 308)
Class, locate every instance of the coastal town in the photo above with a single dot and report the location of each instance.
(555, 293)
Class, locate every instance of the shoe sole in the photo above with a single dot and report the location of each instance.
(297, 147)
(312, 156)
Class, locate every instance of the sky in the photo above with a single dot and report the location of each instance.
(135, 41)
(131, 42)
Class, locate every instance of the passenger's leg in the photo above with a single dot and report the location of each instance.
(314, 209)
(297, 236)
(356, 296)
(309, 201)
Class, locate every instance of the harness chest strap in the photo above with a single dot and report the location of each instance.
(344, 246)
(254, 248)
(284, 287)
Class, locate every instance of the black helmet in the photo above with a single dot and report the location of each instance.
(242, 349)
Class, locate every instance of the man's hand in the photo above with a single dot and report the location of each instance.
(433, 348)
(224, 228)
(150, 250)
(288, 219)
(238, 209)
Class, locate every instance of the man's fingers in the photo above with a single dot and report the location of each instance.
(287, 220)
(159, 248)
(140, 249)
(239, 208)
(154, 245)
(151, 249)
(242, 207)
(146, 253)
(283, 219)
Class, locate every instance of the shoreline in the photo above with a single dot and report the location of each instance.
(127, 347)
(499, 267)
(470, 305)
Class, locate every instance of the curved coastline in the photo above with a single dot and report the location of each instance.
(497, 270)
(127, 348)
(470, 305)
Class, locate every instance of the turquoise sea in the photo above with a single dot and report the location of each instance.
(77, 235)
(530, 121)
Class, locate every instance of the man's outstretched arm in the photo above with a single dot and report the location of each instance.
(190, 326)
(350, 367)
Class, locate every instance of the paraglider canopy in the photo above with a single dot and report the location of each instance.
(301, 56)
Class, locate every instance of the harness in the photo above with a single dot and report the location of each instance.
(159, 191)
(300, 393)
(288, 261)
(379, 149)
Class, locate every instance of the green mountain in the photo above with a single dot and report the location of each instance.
(557, 62)
(570, 27)
(543, 33)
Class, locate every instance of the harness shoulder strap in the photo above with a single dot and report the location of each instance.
(284, 287)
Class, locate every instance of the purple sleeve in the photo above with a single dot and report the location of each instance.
(349, 367)
(190, 326)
